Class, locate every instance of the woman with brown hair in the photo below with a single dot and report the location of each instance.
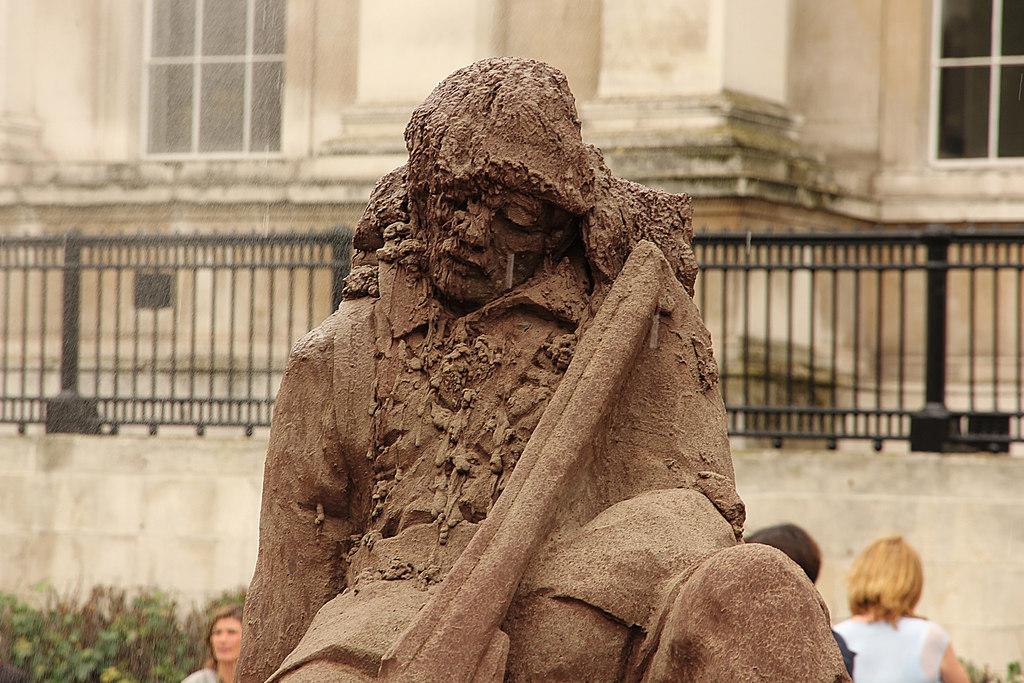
(223, 642)
(889, 643)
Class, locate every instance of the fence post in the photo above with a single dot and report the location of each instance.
(68, 412)
(933, 428)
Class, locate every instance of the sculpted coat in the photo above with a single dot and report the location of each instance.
(504, 457)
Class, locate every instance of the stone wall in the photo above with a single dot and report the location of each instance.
(963, 513)
(181, 514)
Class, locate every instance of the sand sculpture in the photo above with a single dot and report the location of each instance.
(504, 457)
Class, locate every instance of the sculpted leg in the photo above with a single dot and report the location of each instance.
(748, 613)
(565, 640)
(321, 671)
(585, 608)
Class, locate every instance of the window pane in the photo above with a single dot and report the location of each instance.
(1011, 112)
(174, 25)
(267, 82)
(222, 108)
(224, 27)
(170, 109)
(967, 28)
(1013, 27)
(963, 112)
(268, 27)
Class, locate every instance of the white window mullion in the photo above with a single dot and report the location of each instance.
(966, 61)
(994, 79)
(936, 75)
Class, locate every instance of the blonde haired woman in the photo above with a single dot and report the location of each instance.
(890, 645)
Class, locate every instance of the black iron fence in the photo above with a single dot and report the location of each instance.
(97, 332)
(914, 334)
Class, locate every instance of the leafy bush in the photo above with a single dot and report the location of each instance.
(112, 638)
(108, 637)
(1014, 674)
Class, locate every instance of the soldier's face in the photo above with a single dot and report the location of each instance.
(485, 247)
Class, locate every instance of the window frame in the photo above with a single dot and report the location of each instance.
(994, 61)
(196, 61)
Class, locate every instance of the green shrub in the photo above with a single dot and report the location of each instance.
(111, 638)
(986, 675)
(107, 637)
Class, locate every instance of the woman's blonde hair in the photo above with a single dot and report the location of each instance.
(222, 612)
(885, 582)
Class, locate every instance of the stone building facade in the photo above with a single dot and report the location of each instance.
(171, 116)
(184, 116)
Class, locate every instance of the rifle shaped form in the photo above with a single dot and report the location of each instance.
(457, 636)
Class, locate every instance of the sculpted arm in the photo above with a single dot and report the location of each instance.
(311, 502)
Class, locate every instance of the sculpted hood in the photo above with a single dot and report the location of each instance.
(504, 123)
(510, 125)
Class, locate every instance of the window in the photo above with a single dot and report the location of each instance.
(215, 71)
(979, 79)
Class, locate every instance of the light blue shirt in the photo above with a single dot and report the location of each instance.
(909, 653)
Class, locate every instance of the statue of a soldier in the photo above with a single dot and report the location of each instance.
(504, 457)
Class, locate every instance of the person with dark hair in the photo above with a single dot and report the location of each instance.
(223, 642)
(795, 542)
(892, 644)
(801, 548)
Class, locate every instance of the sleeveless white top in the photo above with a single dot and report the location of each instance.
(910, 653)
(202, 676)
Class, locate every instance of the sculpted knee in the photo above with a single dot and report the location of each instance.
(748, 613)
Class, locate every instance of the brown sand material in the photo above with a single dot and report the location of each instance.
(504, 457)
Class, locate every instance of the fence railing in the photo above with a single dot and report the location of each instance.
(914, 334)
(97, 332)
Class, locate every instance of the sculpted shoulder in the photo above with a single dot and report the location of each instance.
(352, 317)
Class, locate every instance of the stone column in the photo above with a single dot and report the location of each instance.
(684, 49)
(755, 48)
(19, 127)
(692, 96)
(405, 47)
(659, 48)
